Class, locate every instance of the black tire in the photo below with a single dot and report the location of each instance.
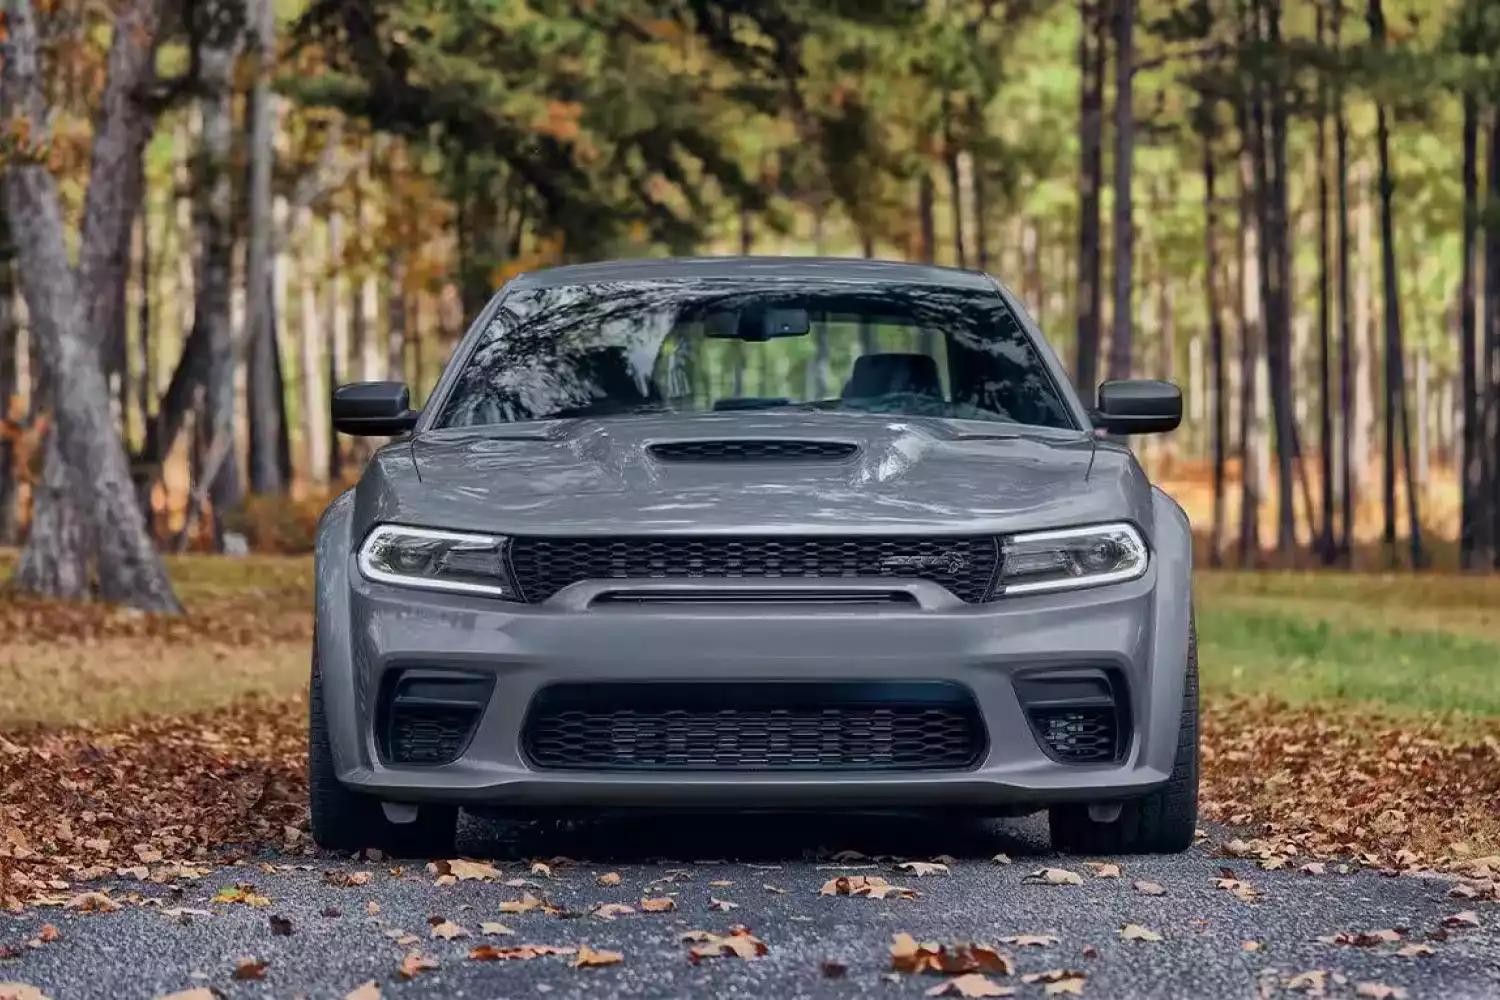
(1163, 822)
(345, 820)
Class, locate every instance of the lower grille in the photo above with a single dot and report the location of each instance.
(1079, 735)
(753, 727)
(429, 735)
(429, 716)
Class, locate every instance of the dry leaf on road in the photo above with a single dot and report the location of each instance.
(1379, 991)
(367, 990)
(658, 904)
(1136, 932)
(250, 968)
(1149, 888)
(609, 911)
(609, 878)
(922, 868)
(525, 904)
(413, 963)
(910, 955)
(973, 984)
(1056, 876)
(588, 957)
(1105, 869)
(1468, 918)
(1031, 940)
(739, 943)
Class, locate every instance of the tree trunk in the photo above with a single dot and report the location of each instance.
(88, 458)
(260, 326)
(223, 22)
(338, 351)
(955, 188)
(1487, 419)
(1124, 226)
(1251, 433)
(10, 390)
(395, 340)
(981, 193)
(1089, 295)
(1216, 348)
(1346, 346)
(315, 399)
(1325, 324)
(926, 209)
(1395, 362)
(1363, 409)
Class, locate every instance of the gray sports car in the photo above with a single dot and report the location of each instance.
(754, 534)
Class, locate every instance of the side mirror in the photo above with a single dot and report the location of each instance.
(1138, 406)
(373, 409)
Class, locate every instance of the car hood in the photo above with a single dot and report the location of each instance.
(586, 476)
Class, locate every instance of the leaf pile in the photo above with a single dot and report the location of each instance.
(947, 958)
(1326, 783)
(149, 799)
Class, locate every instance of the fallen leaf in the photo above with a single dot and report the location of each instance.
(738, 943)
(609, 911)
(1314, 982)
(510, 953)
(721, 904)
(865, 885)
(1468, 918)
(48, 933)
(250, 968)
(280, 925)
(196, 993)
(1363, 939)
(833, 969)
(1057, 981)
(1313, 868)
(774, 888)
(1249, 946)
(1031, 940)
(538, 868)
(414, 963)
(1056, 876)
(922, 868)
(1149, 888)
(1105, 869)
(1414, 950)
(658, 904)
(721, 884)
(21, 991)
(1379, 991)
(448, 930)
(910, 955)
(1135, 932)
(1001, 859)
(368, 990)
(609, 878)
(372, 908)
(973, 984)
(1243, 891)
(245, 894)
(345, 879)
(588, 957)
(492, 928)
(525, 904)
(98, 902)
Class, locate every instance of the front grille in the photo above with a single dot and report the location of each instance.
(753, 727)
(964, 565)
(753, 451)
(429, 735)
(1078, 735)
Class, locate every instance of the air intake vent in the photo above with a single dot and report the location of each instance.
(753, 451)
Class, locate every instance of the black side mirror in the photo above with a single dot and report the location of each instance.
(373, 409)
(1139, 406)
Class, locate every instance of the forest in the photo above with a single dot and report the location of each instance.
(217, 210)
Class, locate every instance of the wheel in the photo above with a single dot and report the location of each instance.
(344, 820)
(1163, 822)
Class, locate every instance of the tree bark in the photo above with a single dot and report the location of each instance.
(1487, 526)
(1325, 325)
(1252, 443)
(395, 340)
(10, 391)
(1124, 206)
(315, 398)
(88, 458)
(260, 326)
(223, 26)
(1346, 346)
(1362, 412)
(955, 187)
(1089, 304)
(1216, 348)
(338, 351)
(1395, 363)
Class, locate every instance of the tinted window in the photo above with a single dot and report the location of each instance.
(615, 348)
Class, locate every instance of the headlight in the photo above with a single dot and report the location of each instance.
(1071, 558)
(457, 561)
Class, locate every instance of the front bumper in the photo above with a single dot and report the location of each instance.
(1138, 629)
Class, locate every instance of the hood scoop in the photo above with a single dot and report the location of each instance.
(737, 450)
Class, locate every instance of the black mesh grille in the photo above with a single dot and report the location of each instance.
(429, 735)
(964, 565)
(753, 451)
(753, 727)
(1078, 735)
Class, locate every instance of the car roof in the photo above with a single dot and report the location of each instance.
(825, 268)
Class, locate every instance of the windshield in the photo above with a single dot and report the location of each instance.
(697, 346)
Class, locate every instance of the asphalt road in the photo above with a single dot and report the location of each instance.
(337, 942)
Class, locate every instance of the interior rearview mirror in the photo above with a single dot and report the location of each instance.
(1138, 406)
(373, 409)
